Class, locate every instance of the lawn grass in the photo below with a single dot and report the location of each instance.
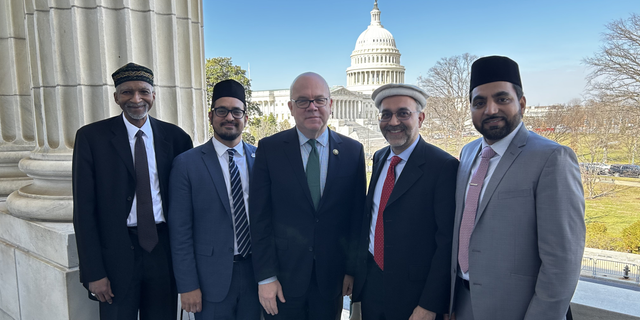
(617, 210)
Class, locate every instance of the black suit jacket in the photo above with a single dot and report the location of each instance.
(103, 189)
(288, 235)
(418, 226)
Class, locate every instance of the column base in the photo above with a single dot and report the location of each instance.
(49, 197)
(11, 178)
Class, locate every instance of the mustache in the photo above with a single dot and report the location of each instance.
(136, 105)
(493, 118)
(398, 127)
(228, 122)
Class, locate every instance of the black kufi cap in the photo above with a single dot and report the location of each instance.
(492, 69)
(132, 72)
(228, 88)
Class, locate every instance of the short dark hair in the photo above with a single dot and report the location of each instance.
(518, 90)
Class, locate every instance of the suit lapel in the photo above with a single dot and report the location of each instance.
(250, 156)
(514, 149)
(210, 159)
(333, 167)
(377, 169)
(120, 142)
(410, 173)
(292, 151)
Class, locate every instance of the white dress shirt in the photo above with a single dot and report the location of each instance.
(241, 163)
(404, 155)
(147, 137)
(500, 147)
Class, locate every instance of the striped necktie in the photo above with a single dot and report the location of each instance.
(243, 238)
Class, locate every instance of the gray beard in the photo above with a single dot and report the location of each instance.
(139, 117)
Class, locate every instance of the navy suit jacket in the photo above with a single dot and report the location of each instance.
(201, 222)
(418, 227)
(289, 235)
(104, 184)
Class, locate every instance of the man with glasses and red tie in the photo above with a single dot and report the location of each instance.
(405, 244)
(307, 193)
(208, 217)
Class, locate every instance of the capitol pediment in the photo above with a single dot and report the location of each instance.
(342, 91)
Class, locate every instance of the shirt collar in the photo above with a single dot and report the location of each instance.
(404, 155)
(500, 147)
(221, 149)
(323, 139)
(132, 130)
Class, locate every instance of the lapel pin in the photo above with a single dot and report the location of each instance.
(335, 151)
(253, 155)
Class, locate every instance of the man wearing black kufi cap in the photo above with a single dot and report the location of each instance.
(120, 181)
(519, 227)
(208, 220)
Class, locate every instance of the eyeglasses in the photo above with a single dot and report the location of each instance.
(401, 115)
(222, 112)
(305, 103)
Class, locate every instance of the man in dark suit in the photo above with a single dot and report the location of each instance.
(307, 196)
(519, 227)
(208, 219)
(120, 180)
(405, 244)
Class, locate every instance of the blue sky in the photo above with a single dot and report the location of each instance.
(283, 38)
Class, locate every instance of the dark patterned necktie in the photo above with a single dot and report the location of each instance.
(240, 220)
(313, 173)
(147, 232)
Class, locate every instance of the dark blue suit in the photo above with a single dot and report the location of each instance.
(201, 222)
(290, 237)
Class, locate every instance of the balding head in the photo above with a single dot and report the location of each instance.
(311, 119)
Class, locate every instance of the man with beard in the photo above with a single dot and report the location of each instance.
(120, 181)
(307, 193)
(519, 227)
(208, 216)
(405, 244)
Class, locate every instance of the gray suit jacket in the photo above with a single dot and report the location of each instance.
(201, 222)
(526, 248)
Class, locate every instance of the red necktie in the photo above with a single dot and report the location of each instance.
(471, 207)
(389, 182)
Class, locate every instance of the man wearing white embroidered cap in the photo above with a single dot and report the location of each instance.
(405, 247)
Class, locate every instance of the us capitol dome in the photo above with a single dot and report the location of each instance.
(375, 61)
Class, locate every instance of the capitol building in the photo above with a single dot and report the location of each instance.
(375, 61)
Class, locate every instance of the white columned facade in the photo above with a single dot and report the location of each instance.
(73, 49)
(57, 78)
(16, 113)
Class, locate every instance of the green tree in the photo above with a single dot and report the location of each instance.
(222, 68)
(597, 237)
(631, 237)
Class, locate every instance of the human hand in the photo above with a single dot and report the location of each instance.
(191, 301)
(101, 289)
(267, 293)
(420, 313)
(347, 285)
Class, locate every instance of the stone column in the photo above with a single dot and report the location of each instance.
(69, 50)
(73, 49)
(16, 111)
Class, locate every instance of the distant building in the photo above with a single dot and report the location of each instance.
(375, 61)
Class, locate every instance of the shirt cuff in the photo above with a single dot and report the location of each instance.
(268, 280)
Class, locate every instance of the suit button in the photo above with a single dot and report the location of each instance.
(129, 198)
(317, 220)
(310, 248)
(132, 248)
(230, 249)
